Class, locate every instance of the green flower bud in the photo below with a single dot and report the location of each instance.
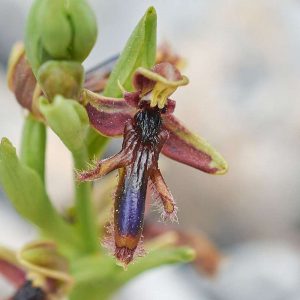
(68, 119)
(59, 30)
(61, 78)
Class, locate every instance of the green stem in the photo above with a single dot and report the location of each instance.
(83, 201)
(33, 146)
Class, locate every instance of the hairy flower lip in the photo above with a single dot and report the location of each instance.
(124, 255)
(138, 164)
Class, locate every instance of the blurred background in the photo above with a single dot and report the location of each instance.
(243, 97)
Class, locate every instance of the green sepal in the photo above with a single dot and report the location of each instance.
(68, 119)
(25, 189)
(140, 51)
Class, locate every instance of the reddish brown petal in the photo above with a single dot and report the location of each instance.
(132, 99)
(21, 79)
(107, 115)
(102, 167)
(142, 83)
(12, 273)
(190, 149)
(164, 194)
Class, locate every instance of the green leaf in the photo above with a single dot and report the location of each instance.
(91, 274)
(140, 51)
(34, 145)
(26, 191)
(156, 258)
(98, 277)
(68, 119)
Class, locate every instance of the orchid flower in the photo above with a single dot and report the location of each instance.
(145, 119)
(37, 271)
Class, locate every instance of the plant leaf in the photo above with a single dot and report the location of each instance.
(156, 258)
(25, 189)
(99, 278)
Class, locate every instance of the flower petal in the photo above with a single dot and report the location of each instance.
(161, 189)
(102, 167)
(10, 268)
(107, 115)
(190, 149)
(21, 80)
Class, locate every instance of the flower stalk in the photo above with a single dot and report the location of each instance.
(33, 147)
(85, 214)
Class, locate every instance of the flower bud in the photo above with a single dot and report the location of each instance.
(59, 30)
(61, 78)
(46, 268)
